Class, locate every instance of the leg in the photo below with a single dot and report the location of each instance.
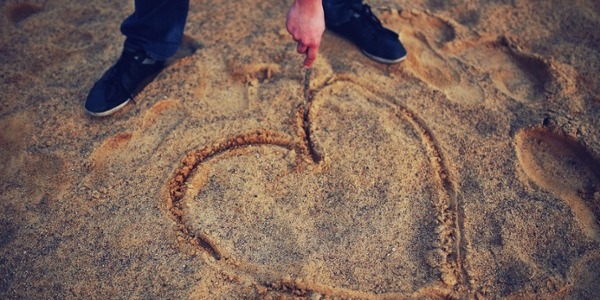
(339, 11)
(156, 27)
(153, 31)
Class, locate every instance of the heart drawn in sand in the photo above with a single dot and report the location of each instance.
(362, 181)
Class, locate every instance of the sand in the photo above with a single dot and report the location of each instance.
(470, 170)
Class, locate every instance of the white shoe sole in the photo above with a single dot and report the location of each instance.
(383, 60)
(108, 112)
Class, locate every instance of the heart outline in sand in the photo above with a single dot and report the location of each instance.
(308, 156)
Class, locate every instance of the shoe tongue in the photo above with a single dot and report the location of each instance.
(364, 11)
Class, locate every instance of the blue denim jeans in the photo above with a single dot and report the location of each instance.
(156, 26)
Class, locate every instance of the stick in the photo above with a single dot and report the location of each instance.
(306, 88)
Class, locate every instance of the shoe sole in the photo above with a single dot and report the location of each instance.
(383, 60)
(108, 112)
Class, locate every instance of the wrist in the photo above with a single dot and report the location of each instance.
(308, 4)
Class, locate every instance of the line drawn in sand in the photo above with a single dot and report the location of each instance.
(316, 159)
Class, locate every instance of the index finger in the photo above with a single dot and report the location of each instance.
(311, 56)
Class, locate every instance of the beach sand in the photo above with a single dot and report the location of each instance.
(470, 170)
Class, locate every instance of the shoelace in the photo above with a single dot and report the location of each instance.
(112, 73)
(368, 14)
(122, 66)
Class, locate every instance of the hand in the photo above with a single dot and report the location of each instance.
(306, 23)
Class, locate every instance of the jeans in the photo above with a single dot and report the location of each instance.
(156, 26)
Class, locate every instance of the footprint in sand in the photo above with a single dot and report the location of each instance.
(42, 171)
(451, 66)
(584, 277)
(521, 76)
(18, 12)
(137, 146)
(188, 46)
(309, 214)
(74, 40)
(561, 165)
(425, 37)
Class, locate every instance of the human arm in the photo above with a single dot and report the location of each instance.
(306, 23)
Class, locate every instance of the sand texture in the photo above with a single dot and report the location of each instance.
(469, 171)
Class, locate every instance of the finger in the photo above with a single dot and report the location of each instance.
(311, 56)
(301, 48)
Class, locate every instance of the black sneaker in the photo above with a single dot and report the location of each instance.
(366, 31)
(132, 72)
